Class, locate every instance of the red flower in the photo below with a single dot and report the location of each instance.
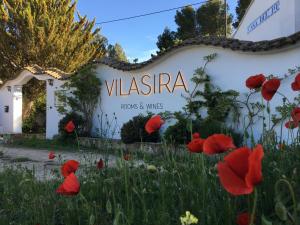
(51, 155)
(270, 88)
(126, 157)
(243, 219)
(196, 135)
(256, 81)
(70, 127)
(296, 84)
(241, 170)
(69, 167)
(70, 186)
(296, 115)
(100, 164)
(217, 143)
(196, 145)
(154, 124)
(291, 124)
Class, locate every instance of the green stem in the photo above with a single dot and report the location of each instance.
(253, 208)
(77, 139)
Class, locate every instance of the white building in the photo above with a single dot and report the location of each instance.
(157, 85)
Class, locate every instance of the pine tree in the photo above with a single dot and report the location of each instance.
(240, 11)
(45, 32)
(116, 52)
(166, 40)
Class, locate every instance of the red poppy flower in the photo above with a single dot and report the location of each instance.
(51, 155)
(270, 88)
(154, 124)
(70, 186)
(196, 135)
(100, 164)
(256, 81)
(126, 157)
(69, 167)
(296, 114)
(291, 124)
(296, 84)
(217, 143)
(196, 145)
(243, 219)
(70, 127)
(241, 170)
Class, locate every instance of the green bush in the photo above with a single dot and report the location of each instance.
(179, 133)
(134, 131)
(78, 122)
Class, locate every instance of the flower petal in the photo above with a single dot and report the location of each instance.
(254, 175)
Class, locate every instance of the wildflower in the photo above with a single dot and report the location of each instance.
(296, 84)
(241, 170)
(291, 124)
(69, 167)
(188, 219)
(256, 81)
(51, 155)
(151, 168)
(217, 143)
(243, 219)
(100, 164)
(153, 124)
(295, 114)
(270, 88)
(70, 186)
(70, 127)
(196, 145)
(126, 157)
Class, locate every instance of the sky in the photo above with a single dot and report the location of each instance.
(137, 36)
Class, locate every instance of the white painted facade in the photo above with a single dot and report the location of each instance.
(228, 71)
(270, 19)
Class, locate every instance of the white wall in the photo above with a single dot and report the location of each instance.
(53, 116)
(283, 23)
(228, 71)
(297, 13)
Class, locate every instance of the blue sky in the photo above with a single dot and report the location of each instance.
(137, 36)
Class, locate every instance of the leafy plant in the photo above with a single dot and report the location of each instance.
(82, 96)
(134, 131)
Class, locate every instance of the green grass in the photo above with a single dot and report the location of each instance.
(127, 195)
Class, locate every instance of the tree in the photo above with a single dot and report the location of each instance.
(240, 11)
(166, 40)
(211, 19)
(45, 32)
(116, 52)
(81, 95)
(187, 24)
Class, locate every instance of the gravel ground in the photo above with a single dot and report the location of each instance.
(37, 160)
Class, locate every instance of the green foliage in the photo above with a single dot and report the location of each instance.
(218, 103)
(211, 19)
(78, 122)
(127, 194)
(166, 40)
(134, 131)
(36, 121)
(116, 52)
(186, 22)
(208, 19)
(240, 11)
(82, 96)
(180, 132)
(45, 32)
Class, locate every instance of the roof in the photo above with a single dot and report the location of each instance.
(53, 72)
(226, 43)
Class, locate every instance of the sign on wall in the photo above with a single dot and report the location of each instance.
(264, 16)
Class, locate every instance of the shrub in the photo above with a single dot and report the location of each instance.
(179, 133)
(78, 122)
(134, 131)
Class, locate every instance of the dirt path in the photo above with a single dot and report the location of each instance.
(37, 160)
